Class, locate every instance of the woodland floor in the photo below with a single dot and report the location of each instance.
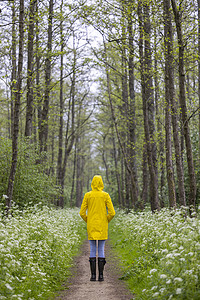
(80, 287)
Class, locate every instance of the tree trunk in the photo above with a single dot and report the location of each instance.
(125, 105)
(16, 109)
(186, 131)
(74, 174)
(8, 109)
(104, 159)
(38, 95)
(14, 73)
(173, 103)
(34, 129)
(53, 134)
(79, 174)
(124, 78)
(159, 123)
(44, 124)
(141, 54)
(122, 178)
(120, 202)
(169, 163)
(60, 138)
(29, 107)
(199, 68)
(69, 138)
(128, 204)
(132, 120)
(144, 195)
(148, 102)
(79, 161)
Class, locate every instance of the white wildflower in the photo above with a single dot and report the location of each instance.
(163, 241)
(152, 271)
(8, 286)
(163, 276)
(177, 254)
(162, 290)
(173, 235)
(178, 279)
(178, 291)
(170, 255)
(169, 262)
(168, 281)
(182, 259)
(164, 251)
(189, 272)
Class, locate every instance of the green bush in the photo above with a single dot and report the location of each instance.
(32, 184)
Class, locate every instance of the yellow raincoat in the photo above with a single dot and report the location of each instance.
(95, 202)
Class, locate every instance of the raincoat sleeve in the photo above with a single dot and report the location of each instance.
(83, 209)
(111, 211)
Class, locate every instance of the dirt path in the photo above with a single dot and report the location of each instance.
(80, 286)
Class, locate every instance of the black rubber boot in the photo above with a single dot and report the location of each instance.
(101, 263)
(92, 261)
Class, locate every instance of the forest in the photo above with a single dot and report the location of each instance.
(100, 87)
(110, 88)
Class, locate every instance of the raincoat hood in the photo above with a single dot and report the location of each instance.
(97, 183)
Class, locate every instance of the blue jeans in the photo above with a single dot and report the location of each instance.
(101, 244)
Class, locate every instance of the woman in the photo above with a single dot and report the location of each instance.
(97, 219)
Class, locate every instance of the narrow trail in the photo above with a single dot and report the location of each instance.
(80, 287)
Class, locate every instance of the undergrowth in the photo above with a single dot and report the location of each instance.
(36, 250)
(160, 253)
